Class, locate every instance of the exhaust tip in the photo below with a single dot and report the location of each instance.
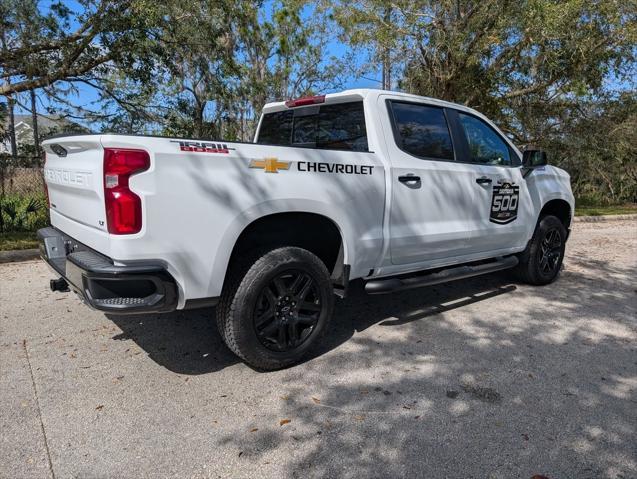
(59, 285)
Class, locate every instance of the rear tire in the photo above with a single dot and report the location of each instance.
(541, 263)
(275, 308)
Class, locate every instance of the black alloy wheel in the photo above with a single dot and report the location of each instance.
(541, 262)
(287, 311)
(276, 306)
(550, 252)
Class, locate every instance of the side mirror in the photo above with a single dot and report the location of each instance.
(534, 158)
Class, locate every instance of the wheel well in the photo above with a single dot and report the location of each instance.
(560, 209)
(313, 232)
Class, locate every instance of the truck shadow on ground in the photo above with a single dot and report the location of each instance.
(540, 381)
(187, 342)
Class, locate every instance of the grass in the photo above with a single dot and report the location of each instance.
(605, 210)
(21, 240)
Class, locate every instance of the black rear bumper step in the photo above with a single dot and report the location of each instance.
(391, 285)
(138, 288)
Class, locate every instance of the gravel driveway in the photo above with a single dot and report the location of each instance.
(481, 378)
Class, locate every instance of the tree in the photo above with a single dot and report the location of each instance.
(537, 67)
(369, 26)
(198, 69)
(222, 62)
(490, 54)
(598, 146)
(273, 52)
(38, 48)
(282, 52)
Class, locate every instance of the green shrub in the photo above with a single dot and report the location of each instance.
(24, 213)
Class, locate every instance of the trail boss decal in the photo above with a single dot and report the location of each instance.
(202, 146)
(504, 204)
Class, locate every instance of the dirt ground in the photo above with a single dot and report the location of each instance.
(482, 378)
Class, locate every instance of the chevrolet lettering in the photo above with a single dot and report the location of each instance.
(335, 168)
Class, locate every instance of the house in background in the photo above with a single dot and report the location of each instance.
(47, 126)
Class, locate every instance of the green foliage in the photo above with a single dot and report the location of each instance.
(18, 240)
(597, 145)
(220, 64)
(42, 46)
(549, 73)
(23, 213)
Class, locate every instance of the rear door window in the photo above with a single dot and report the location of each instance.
(339, 126)
(421, 130)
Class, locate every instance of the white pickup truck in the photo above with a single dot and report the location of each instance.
(398, 190)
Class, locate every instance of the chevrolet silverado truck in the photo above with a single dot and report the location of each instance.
(396, 190)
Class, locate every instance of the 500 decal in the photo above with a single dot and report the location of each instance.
(202, 146)
(504, 204)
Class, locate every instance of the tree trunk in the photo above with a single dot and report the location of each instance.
(14, 146)
(198, 119)
(386, 79)
(34, 119)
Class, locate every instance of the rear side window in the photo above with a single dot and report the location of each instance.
(422, 130)
(485, 145)
(339, 126)
(276, 128)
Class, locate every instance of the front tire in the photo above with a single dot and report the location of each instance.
(542, 261)
(275, 308)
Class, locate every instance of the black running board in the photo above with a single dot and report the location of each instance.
(391, 285)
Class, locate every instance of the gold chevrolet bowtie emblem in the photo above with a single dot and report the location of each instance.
(271, 165)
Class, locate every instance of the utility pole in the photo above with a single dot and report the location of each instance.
(34, 120)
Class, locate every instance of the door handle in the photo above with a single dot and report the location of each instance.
(484, 181)
(409, 179)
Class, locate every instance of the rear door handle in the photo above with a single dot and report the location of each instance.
(409, 179)
(484, 181)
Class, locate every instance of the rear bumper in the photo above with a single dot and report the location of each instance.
(139, 288)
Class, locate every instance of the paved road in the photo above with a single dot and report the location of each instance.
(483, 378)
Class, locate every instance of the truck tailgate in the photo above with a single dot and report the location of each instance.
(74, 176)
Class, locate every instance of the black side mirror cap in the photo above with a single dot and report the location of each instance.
(534, 158)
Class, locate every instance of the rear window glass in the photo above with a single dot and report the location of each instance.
(276, 128)
(422, 130)
(337, 127)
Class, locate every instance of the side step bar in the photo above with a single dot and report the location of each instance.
(391, 285)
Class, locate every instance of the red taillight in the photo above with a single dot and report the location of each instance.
(123, 207)
(308, 100)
